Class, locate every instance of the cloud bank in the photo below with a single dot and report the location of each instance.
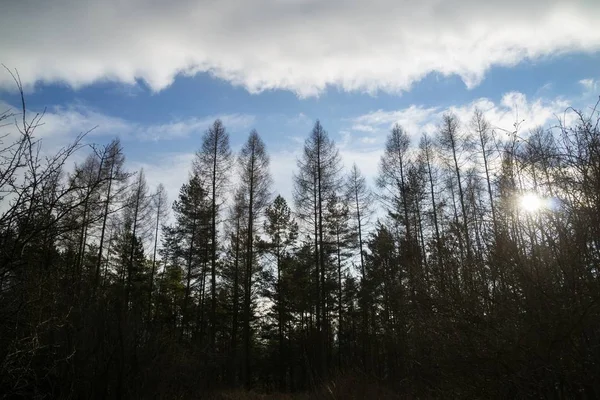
(299, 45)
(65, 122)
(513, 108)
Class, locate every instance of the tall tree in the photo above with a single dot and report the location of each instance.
(160, 205)
(317, 178)
(342, 238)
(454, 143)
(393, 178)
(281, 231)
(360, 201)
(138, 216)
(484, 133)
(238, 215)
(255, 181)
(427, 162)
(114, 189)
(212, 163)
(192, 216)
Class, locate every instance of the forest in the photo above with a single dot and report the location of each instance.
(468, 269)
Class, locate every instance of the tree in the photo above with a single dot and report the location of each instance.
(317, 178)
(427, 162)
(255, 183)
(281, 231)
(392, 177)
(451, 141)
(342, 239)
(159, 203)
(212, 163)
(233, 271)
(116, 178)
(360, 201)
(482, 127)
(191, 230)
(138, 217)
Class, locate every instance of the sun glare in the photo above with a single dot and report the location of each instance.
(531, 202)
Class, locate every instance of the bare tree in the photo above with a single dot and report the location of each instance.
(256, 183)
(317, 178)
(161, 210)
(212, 163)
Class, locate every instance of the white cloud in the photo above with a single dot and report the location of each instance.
(368, 140)
(298, 45)
(590, 85)
(414, 119)
(512, 108)
(362, 128)
(64, 123)
(186, 127)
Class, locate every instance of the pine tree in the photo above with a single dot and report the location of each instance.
(281, 231)
(191, 230)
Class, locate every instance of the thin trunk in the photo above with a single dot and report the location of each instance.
(462, 202)
(280, 319)
(489, 183)
(104, 220)
(234, 322)
(248, 285)
(317, 273)
(321, 254)
(132, 248)
(184, 321)
(403, 192)
(213, 267)
(360, 241)
(339, 271)
(153, 271)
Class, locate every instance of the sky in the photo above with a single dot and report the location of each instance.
(156, 74)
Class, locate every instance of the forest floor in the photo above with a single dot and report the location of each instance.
(339, 389)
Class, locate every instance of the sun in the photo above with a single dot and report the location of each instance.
(531, 202)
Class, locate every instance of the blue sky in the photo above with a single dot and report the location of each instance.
(156, 77)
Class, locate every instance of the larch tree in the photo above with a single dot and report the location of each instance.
(360, 202)
(115, 186)
(138, 219)
(161, 212)
(454, 143)
(317, 178)
(393, 177)
(341, 239)
(255, 183)
(212, 164)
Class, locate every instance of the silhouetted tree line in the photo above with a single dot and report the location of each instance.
(455, 291)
